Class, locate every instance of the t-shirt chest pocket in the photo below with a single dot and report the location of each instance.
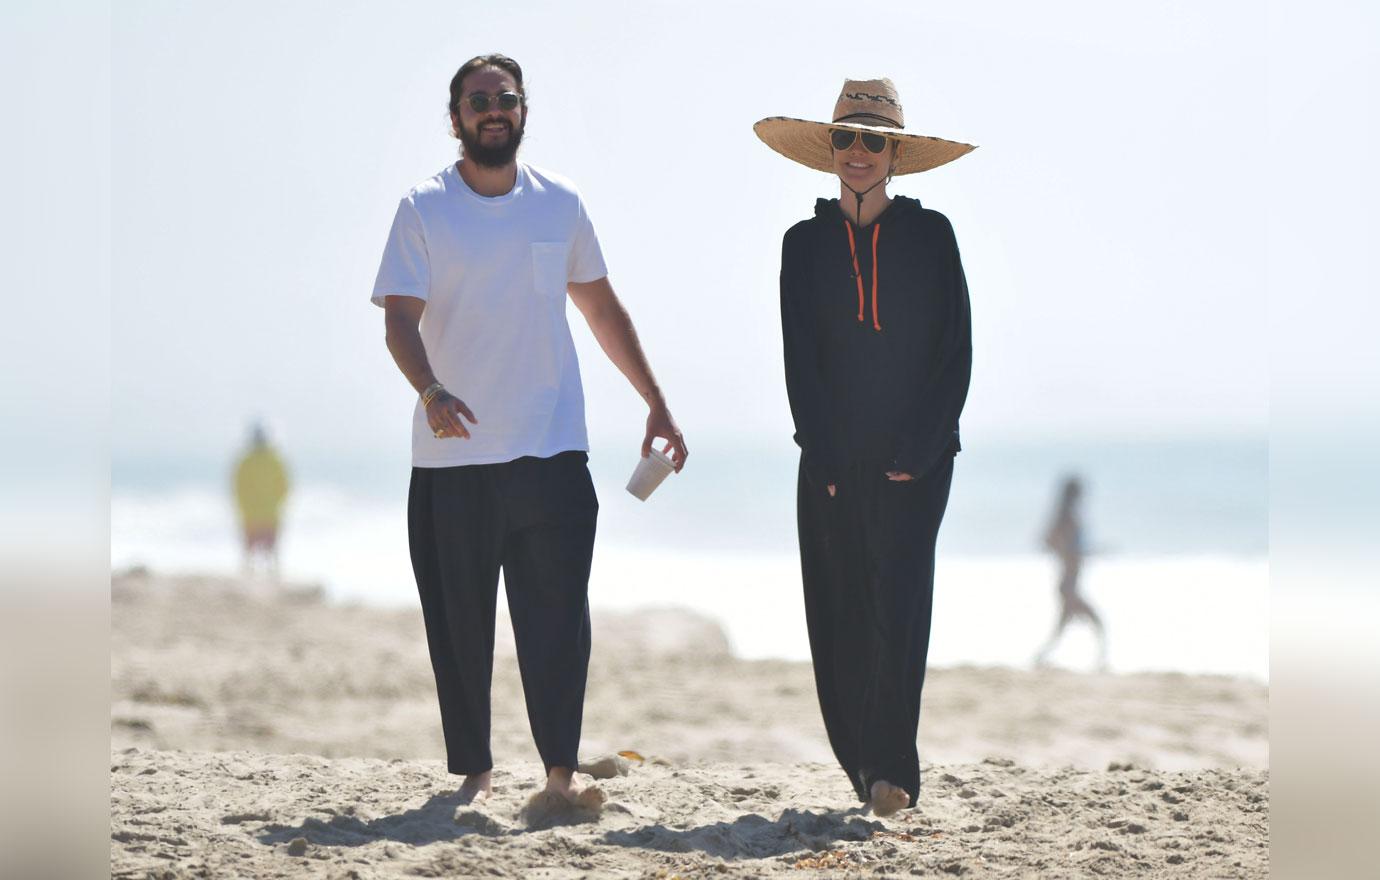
(549, 268)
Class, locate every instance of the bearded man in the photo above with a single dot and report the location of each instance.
(473, 283)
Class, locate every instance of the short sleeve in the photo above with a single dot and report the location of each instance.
(586, 258)
(406, 268)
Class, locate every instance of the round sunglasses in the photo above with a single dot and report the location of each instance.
(843, 138)
(480, 102)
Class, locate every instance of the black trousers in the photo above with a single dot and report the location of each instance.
(867, 562)
(535, 519)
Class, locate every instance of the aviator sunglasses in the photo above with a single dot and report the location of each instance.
(843, 138)
(480, 102)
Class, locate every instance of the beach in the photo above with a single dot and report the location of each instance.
(266, 731)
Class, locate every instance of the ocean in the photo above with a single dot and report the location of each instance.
(1178, 531)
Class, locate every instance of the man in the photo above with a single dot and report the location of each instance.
(473, 283)
(261, 487)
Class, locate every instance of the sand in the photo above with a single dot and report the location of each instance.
(264, 732)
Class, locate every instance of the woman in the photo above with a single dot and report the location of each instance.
(1064, 538)
(875, 323)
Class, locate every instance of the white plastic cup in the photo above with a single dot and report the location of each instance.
(649, 474)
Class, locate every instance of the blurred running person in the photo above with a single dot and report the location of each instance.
(1065, 539)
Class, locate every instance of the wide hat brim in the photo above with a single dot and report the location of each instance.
(807, 142)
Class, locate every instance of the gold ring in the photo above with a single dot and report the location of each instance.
(437, 433)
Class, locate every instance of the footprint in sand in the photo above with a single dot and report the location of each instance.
(606, 766)
(480, 822)
(547, 808)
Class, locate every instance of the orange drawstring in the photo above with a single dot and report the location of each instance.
(857, 270)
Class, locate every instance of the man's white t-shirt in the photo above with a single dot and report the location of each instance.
(493, 272)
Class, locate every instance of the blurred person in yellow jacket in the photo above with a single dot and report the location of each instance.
(261, 486)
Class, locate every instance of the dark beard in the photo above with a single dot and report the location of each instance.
(491, 157)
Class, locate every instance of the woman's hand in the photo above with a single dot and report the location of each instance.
(898, 476)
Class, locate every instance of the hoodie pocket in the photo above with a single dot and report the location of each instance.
(548, 269)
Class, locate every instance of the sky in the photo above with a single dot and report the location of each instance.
(1112, 221)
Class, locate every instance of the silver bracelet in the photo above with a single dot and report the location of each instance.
(430, 393)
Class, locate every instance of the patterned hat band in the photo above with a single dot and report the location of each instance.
(869, 119)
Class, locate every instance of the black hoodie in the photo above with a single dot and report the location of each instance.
(878, 357)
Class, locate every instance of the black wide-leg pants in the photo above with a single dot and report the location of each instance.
(867, 562)
(535, 519)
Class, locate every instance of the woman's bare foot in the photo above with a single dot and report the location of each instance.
(477, 787)
(887, 798)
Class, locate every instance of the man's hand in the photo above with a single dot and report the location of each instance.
(898, 476)
(833, 490)
(660, 424)
(444, 416)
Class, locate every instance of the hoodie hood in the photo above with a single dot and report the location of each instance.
(829, 208)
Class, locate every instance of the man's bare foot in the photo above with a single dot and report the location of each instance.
(477, 787)
(564, 801)
(887, 798)
(561, 781)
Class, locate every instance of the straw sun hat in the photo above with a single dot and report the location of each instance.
(865, 106)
